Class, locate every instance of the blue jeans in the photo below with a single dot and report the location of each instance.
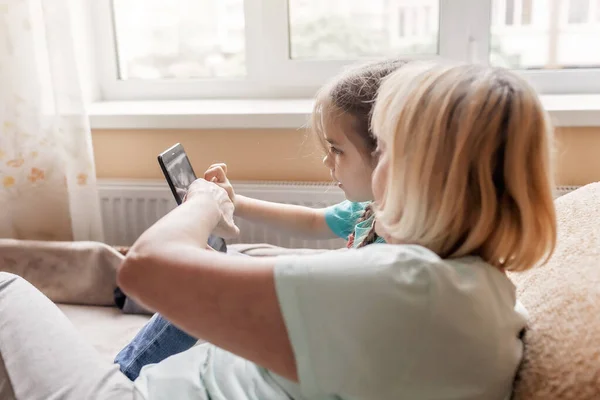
(158, 339)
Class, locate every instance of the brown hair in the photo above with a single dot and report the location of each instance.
(371, 236)
(353, 93)
(469, 158)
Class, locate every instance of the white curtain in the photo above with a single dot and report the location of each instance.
(47, 177)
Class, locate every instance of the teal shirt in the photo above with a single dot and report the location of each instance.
(341, 219)
(383, 322)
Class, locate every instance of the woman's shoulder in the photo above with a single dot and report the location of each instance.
(406, 266)
(462, 273)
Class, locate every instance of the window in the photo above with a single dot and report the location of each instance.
(178, 49)
(356, 29)
(540, 42)
(578, 11)
(514, 12)
(427, 20)
(510, 12)
(184, 39)
(402, 22)
(526, 12)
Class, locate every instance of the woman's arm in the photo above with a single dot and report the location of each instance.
(228, 301)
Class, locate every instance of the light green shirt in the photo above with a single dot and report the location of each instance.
(381, 322)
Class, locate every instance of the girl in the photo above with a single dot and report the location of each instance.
(462, 194)
(341, 122)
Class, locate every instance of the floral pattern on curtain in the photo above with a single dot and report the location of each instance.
(47, 177)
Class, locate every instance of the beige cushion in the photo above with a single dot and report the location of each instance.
(562, 343)
(106, 328)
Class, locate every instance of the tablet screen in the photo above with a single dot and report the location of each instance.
(178, 171)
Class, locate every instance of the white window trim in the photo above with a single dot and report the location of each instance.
(564, 110)
(463, 32)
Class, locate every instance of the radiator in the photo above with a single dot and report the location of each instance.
(562, 190)
(130, 206)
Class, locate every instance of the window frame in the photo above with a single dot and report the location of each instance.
(464, 36)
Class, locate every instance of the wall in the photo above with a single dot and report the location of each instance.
(285, 154)
(577, 156)
(250, 154)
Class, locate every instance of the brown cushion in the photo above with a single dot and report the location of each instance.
(562, 343)
(66, 272)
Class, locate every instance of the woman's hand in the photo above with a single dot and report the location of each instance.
(217, 173)
(201, 189)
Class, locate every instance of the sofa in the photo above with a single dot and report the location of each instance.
(80, 277)
(562, 342)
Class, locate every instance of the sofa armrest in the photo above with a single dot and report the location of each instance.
(67, 272)
(562, 342)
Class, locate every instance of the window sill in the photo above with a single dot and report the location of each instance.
(200, 114)
(565, 110)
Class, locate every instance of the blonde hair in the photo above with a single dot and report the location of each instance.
(469, 173)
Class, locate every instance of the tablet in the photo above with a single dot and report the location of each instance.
(178, 170)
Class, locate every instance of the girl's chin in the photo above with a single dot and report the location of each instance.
(353, 196)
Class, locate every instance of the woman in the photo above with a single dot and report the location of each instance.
(462, 193)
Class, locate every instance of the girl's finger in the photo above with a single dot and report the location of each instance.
(215, 172)
(221, 165)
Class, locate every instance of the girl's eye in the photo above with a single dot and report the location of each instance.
(335, 150)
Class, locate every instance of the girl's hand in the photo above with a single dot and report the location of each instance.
(201, 189)
(217, 173)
